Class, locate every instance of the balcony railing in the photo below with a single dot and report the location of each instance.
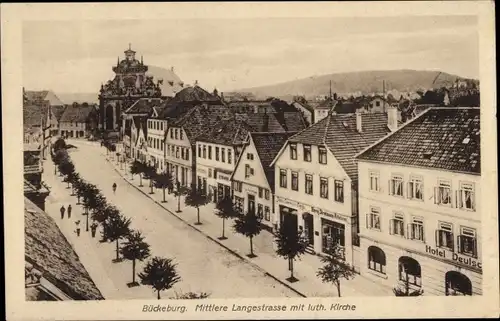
(33, 169)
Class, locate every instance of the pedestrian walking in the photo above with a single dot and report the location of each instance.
(77, 223)
(62, 210)
(69, 210)
(93, 228)
(114, 188)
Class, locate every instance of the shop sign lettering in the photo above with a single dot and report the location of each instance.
(291, 203)
(442, 253)
(324, 213)
(224, 177)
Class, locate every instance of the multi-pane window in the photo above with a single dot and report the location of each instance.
(176, 133)
(267, 213)
(260, 211)
(223, 155)
(295, 181)
(396, 185)
(261, 192)
(209, 152)
(467, 241)
(249, 156)
(181, 134)
(444, 236)
(376, 259)
(177, 152)
(443, 193)
(238, 186)
(397, 225)
(248, 171)
(307, 153)
(204, 151)
(187, 154)
(199, 150)
(293, 151)
(373, 219)
(229, 156)
(283, 178)
(266, 194)
(309, 184)
(238, 202)
(322, 155)
(466, 196)
(374, 181)
(339, 191)
(216, 153)
(323, 187)
(171, 133)
(417, 229)
(416, 188)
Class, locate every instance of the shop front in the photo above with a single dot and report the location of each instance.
(223, 180)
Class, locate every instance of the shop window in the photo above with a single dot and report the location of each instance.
(309, 184)
(442, 193)
(416, 228)
(283, 178)
(295, 181)
(260, 211)
(374, 181)
(209, 152)
(373, 219)
(267, 213)
(397, 225)
(266, 194)
(322, 155)
(217, 153)
(467, 242)
(339, 191)
(307, 153)
(396, 185)
(293, 151)
(410, 271)
(376, 259)
(415, 188)
(457, 284)
(239, 201)
(323, 187)
(444, 236)
(332, 234)
(466, 196)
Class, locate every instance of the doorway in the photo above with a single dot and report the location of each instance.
(251, 203)
(309, 227)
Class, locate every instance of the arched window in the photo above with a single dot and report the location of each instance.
(457, 284)
(409, 270)
(376, 259)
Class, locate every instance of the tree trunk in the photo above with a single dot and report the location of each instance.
(140, 180)
(117, 251)
(55, 169)
(251, 245)
(179, 203)
(223, 226)
(164, 195)
(158, 294)
(87, 224)
(338, 287)
(133, 271)
(198, 213)
(291, 268)
(151, 185)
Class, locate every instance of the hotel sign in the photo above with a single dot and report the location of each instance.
(447, 255)
(325, 213)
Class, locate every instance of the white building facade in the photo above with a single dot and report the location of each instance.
(179, 156)
(156, 143)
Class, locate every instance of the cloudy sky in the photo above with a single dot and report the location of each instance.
(77, 56)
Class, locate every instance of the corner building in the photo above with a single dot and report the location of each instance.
(419, 205)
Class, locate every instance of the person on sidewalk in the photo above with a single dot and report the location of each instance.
(62, 210)
(114, 188)
(77, 223)
(69, 210)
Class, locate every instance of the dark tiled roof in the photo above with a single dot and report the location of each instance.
(49, 251)
(58, 111)
(196, 94)
(36, 95)
(306, 105)
(140, 123)
(346, 107)
(339, 134)
(34, 115)
(268, 145)
(29, 188)
(291, 121)
(328, 103)
(262, 122)
(441, 138)
(77, 113)
(199, 122)
(228, 132)
(144, 106)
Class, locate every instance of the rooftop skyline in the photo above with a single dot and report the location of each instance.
(77, 56)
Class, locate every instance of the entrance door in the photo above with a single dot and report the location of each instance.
(309, 228)
(227, 191)
(251, 203)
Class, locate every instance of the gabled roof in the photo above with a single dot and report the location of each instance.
(339, 134)
(77, 113)
(41, 95)
(140, 123)
(35, 116)
(195, 94)
(227, 132)
(49, 251)
(199, 121)
(440, 138)
(144, 106)
(58, 111)
(268, 145)
(304, 104)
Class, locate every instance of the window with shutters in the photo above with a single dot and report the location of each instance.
(283, 178)
(467, 241)
(322, 155)
(442, 193)
(396, 185)
(293, 151)
(374, 181)
(267, 213)
(295, 181)
(339, 191)
(415, 188)
(307, 153)
(466, 196)
(373, 218)
(397, 225)
(323, 187)
(416, 228)
(309, 184)
(444, 236)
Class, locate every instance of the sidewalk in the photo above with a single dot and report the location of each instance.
(305, 267)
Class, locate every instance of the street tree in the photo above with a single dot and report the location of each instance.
(179, 191)
(196, 198)
(116, 227)
(335, 268)
(164, 181)
(135, 248)
(107, 212)
(225, 210)
(160, 273)
(137, 168)
(66, 167)
(290, 245)
(59, 144)
(74, 178)
(150, 174)
(249, 226)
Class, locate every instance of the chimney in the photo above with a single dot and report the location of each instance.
(392, 118)
(359, 123)
(265, 126)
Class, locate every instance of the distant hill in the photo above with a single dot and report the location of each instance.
(171, 84)
(364, 82)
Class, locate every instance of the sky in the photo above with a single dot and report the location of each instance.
(77, 56)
